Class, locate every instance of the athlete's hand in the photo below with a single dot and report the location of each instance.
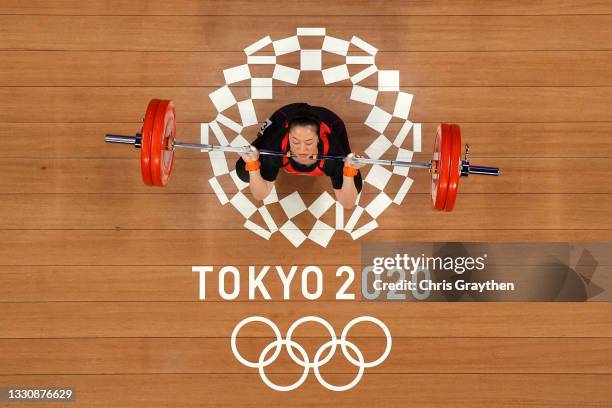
(253, 155)
(350, 161)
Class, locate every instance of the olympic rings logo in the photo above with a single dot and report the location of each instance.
(318, 361)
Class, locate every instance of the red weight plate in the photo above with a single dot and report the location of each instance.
(440, 166)
(145, 144)
(455, 169)
(164, 129)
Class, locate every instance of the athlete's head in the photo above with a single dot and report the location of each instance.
(304, 136)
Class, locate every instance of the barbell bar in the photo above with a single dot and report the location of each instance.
(157, 144)
(137, 142)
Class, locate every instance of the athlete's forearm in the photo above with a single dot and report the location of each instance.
(347, 195)
(260, 188)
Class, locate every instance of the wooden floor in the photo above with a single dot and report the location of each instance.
(96, 288)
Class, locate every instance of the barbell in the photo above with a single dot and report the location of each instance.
(157, 144)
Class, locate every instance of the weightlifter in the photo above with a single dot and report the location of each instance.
(305, 132)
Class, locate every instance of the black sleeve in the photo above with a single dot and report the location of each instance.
(341, 137)
(272, 127)
(267, 138)
(269, 167)
(341, 147)
(241, 171)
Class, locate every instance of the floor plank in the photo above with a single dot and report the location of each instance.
(431, 104)
(217, 319)
(193, 390)
(183, 212)
(313, 7)
(216, 247)
(213, 355)
(210, 33)
(129, 68)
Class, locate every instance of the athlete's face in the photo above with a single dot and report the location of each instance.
(303, 142)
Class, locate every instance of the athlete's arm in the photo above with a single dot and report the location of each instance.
(259, 187)
(347, 195)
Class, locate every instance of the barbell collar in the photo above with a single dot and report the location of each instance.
(124, 139)
(119, 139)
(467, 169)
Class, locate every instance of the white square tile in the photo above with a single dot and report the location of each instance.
(402, 155)
(204, 133)
(321, 204)
(243, 205)
(293, 204)
(367, 47)
(339, 216)
(218, 132)
(416, 137)
(335, 45)
(378, 147)
(262, 232)
(402, 105)
(239, 141)
(378, 205)
(353, 219)
(361, 75)
(293, 233)
(403, 190)
(311, 31)
(236, 74)
(378, 176)
(286, 74)
(388, 81)
(403, 132)
(378, 119)
(286, 45)
(267, 217)
(247, 113)
(228, 123)
(261, 60)
(222, 98)
(364, 95)
(214, 183)
(360, 60)
(310, 60)
(261, 88)
(218, 162)
(370, 226)
(258, 45)
(335, 74)
(321, 233)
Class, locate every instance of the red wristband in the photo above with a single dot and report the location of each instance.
(252, 165)
(349, 171)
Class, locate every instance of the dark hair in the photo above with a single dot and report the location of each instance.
(304, 118)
